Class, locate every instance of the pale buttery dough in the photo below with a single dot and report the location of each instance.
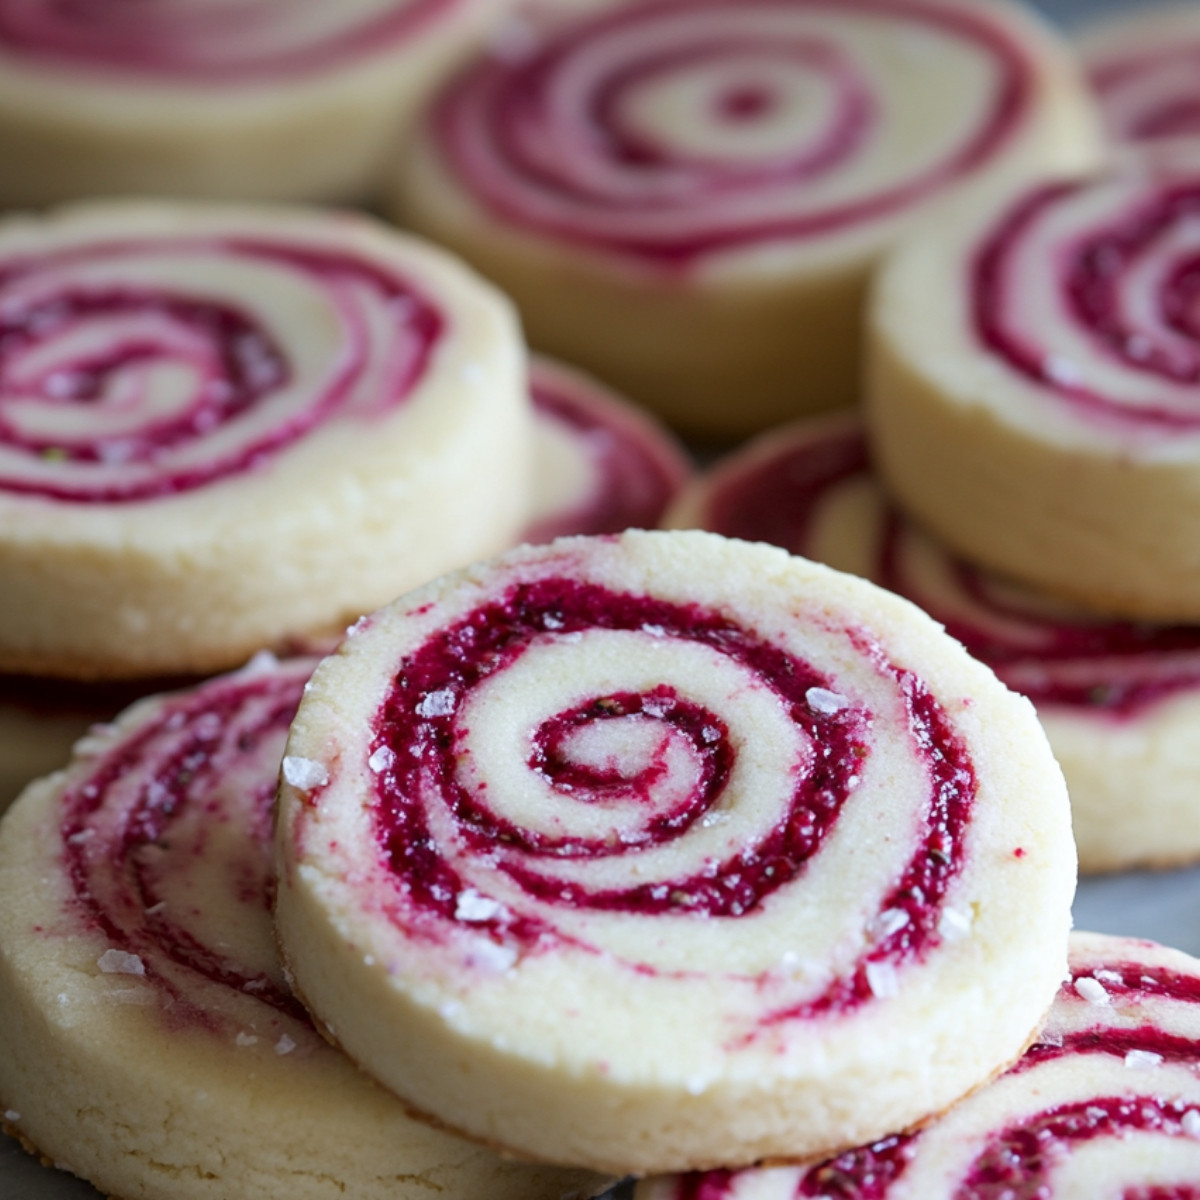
(600, 465)
(1032, 395)
(662, 850)
(149, 1041)
(688, 198)
(1119, 700)
(223, 427)
(1145, 69)
(250, 99)
(1105, 1103)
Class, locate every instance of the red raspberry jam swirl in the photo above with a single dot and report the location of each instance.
(1024, 1160)
(1125, 283)
(567, 140)
(167, 843)
(420, 739)
(634, 469)
(1118, 668)
(1151, 92)
(198, 42)
(115, 389)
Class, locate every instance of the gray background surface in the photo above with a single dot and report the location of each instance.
(1165, 907)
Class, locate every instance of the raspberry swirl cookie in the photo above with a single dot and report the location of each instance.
(1120, 701)
(1105, 1103)
(220, 428)
(666, 849)
(1033, 385)
(687, 197)
(1145, 69)
(149, 1041)
(600, 465)
(246, 99)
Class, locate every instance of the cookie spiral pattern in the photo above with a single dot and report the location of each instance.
(1067, 380)
(1144, 72)
(242, 100)
(600, 464)
(148, 931)
(121, 379)
(648, 156)
(1118, 699)
(588, 826)
(1104, 1103)
(223, 427)
(195, 41)
(669, 131)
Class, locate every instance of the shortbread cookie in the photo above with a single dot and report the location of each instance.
(149, 1041)
(246, 99)
(1120, 702)
(687, 197)
(667, 849)
(1105, 1103)
(221, 427)
(1145, 69)
(600, 465)
(1033, 386)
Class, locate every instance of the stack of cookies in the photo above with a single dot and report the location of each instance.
(672, 854)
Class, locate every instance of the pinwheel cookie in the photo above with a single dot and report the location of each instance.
(1033, 386)
(246, 99)
(600, 465)
(224, 427)
(687, 198)
(1105, 1103)
(1145, 68)
(666, 849)
(1119, 701)
(149, 1041)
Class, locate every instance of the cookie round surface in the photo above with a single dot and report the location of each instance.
(1032, 386)
(224, 427)
(687, 198)
(600, 465)
(1145, 70)
(149, 1042)
(1119, 700)
(1105, 1103)
(664, 849)
(248, 99)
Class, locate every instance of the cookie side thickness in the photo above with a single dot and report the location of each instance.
(149, 1041)
(717, 231)
(1105, 1102)
(186, 106)
(319, 376)
(1118, 700)
(1054, 440)
(504, 995)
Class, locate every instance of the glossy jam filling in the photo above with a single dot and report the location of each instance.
(167, 842)
(1019, 1163)
(200, 42)
(114, 393)
(417, 735)
(1150, 332)
(636, 472)
(1116, 667)
(552, 140)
